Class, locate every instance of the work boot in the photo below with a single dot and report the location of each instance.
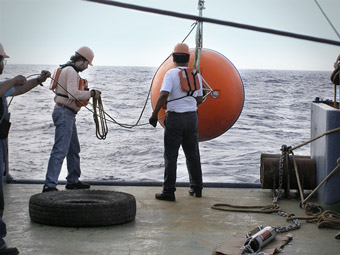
(166, 196)
(9, 251)
(195, 192)
(47, 189)
(78, 185)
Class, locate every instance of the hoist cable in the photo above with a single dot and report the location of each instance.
(193, 27)
(219, 22)
(102, 113)
(325, 15)
(199, 35)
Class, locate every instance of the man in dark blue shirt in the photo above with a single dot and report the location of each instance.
(11, 87)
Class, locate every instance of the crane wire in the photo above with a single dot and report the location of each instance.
(329, 21)
(216, 21)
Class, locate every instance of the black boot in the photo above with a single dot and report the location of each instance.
(195, 192)
(78, 185)
(9, 251)
(166, 196)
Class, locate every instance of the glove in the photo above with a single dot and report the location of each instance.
(44, 75)
(95, 93)
(153, 120)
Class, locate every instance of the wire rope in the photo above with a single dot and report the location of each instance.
(218, 22)
(100, 118)
(325, 15)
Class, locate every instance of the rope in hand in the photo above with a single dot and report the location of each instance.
(111, 119)
(101, 126)
(102, 129)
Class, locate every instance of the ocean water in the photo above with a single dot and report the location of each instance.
(276, 112)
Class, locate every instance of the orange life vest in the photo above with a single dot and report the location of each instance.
(189, 80)
(189, 83)
(83, 85)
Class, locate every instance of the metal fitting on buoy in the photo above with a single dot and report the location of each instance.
(214, 94)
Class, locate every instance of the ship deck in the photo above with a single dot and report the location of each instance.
(187, 226)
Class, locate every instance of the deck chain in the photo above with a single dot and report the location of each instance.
(296, 224)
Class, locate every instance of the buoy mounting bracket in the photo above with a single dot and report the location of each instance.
(215, 94)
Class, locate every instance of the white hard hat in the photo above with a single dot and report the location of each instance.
(2, 52)
(87, 53)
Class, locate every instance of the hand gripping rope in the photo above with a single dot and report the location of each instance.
(101, 129)
(99, 118)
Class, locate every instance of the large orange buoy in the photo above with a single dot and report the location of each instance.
(222, 106)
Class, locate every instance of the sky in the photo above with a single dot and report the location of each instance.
(50, 31)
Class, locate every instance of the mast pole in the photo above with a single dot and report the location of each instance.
(199, 36)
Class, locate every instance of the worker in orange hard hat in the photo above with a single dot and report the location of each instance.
(71, 94)
(181, 92)
(10, 87)
(181, 48)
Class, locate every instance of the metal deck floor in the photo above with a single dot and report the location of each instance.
(188, 226)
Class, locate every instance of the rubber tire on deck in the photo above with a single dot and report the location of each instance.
(82, 208)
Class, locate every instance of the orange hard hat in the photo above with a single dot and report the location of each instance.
(87, 53)
(181, 48)
(2, 52)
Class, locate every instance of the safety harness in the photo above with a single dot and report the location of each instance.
(189, 82)
(83, 84)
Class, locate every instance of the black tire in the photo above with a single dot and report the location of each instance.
(82, 208)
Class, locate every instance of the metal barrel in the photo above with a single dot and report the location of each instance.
(269, 172)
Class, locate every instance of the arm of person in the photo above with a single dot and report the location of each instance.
(10, 83)
(72, 80)
(30, 84)
(162, 98)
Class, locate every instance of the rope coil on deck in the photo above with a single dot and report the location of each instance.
(243, 208)
(316, 214)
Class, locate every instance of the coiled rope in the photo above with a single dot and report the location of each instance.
(102, 116)
(103, 113)
(316, 214)
(99, 119)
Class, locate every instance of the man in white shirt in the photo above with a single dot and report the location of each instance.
(181, 97)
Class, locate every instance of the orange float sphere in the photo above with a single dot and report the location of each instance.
(223, 106)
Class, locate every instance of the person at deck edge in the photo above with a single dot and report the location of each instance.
(10, 87)
(180, 126)
(64, 117)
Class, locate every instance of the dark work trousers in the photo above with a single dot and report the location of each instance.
(3, 159)
(181, 129)
(3, 169)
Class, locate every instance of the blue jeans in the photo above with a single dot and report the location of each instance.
(3, 162)
(66, 144)
(181, 129)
